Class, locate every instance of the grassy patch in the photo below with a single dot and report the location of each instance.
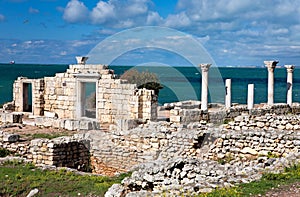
(46, 135)
(18, 179)
(268, 181)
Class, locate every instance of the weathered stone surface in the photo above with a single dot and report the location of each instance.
(10, 137)
(33, 192)
(251, 151)
(60, 97)
(116, 190)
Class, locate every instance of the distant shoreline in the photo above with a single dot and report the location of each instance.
(188, 66)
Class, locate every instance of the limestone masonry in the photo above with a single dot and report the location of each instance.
(64, 96)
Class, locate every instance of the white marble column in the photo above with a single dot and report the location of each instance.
(204, 85)
(227, 93)
(271, 66)
(289, 92)
(250, 100)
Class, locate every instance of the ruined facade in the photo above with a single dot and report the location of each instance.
(85, 92)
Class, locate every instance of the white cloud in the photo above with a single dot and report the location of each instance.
(33, 10)
(113, 13)
(154, 18)
(2, 18)
(102, 12)
(178, 20)
(135, 7)
(79, 43)
(75, 12)
(106, 32)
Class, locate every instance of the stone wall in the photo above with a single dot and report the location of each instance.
(264, 122)
(60, 95)
(240, 145)
(120, 151)
(60, 152)
(217, 114)
(63, 96)
(163, 140)
(20, 92)
(11, 142)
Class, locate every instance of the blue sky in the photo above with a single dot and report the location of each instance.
(234, 32)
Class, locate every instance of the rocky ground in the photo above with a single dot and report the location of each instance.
(27, 131)
(292, 190)
(174, 172)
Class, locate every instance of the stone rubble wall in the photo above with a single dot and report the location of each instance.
(264, 122)
(190, 177)
(11, 142)
(208, 157)
(69, 152)
(163, 140)
(240, 145)
(120, 151)
(185, 115)
(60, 152)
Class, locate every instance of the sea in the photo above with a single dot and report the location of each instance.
(179, 82)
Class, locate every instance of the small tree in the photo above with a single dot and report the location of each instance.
(143, 79)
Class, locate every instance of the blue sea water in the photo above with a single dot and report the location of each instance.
(180, 83)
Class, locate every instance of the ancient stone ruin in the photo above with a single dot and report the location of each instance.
(201, 146)
(84, 92)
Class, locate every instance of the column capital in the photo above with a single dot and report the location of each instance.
(271, 65)
(205, 67)
(289, 68)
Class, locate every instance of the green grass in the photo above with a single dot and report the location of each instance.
(18, 179)
(46, 135)
(268, 181)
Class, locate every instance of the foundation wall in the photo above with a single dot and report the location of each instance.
(186, 115)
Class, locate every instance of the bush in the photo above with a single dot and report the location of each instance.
(4, 152)
(143, 79)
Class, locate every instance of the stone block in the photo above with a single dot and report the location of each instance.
(11, 137)
(85, 125)
(68, 124)
(50, 114)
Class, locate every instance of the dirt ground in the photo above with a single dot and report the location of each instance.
(25, 131)
(292, 190)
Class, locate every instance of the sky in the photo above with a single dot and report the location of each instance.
(233, 32)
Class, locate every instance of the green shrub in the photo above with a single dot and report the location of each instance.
(4, 152)
(143, 79)
(272, 155)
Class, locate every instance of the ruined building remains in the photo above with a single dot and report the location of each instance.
(84, 91)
